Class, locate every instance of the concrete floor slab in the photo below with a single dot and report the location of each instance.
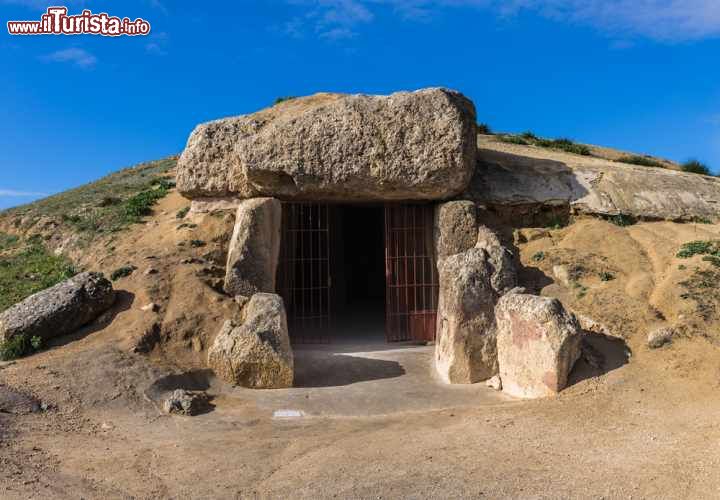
(366, 379)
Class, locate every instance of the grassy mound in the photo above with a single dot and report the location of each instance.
(105, 206)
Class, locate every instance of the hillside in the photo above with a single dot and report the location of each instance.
(105, 437)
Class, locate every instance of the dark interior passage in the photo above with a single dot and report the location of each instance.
(358, 273)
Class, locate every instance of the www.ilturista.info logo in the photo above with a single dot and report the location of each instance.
(57, 22)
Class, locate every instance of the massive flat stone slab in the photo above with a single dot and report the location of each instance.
(405, 146)
(509, 174)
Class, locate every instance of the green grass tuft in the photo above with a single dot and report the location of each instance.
(695, 167)
(28, 269)
(699, 248)
(122, 272)
(642, 161)
(562, 144)
(284, 98)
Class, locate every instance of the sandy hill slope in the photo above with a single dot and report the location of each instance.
(644, 429)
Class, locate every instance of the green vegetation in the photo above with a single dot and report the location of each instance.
(284, 98)
(484, 128)
(703, 287)
(538, 257)
(140, 205)
(27, 268)
(641, 160)
(197, 243)
(693, 248)
(122, 272)
(621, 220)
(105, 206)
(695, 167)
(563, 144)
(182, 213)
(606, 276)
(19, 346)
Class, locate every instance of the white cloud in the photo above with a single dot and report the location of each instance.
(157, 44)
(659, 20)
(79, 57)
(12, 193)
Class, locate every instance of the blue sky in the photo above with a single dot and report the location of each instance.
(641, 75)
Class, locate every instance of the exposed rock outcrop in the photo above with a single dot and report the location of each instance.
(409, 145)
(59, 310)
(257, 353)
(254, 248)
(510, 174)
(465, 351)
(538, 343)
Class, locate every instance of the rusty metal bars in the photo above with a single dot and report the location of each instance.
(411, 276)
(304, 271)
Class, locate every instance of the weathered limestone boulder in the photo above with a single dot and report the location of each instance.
(254, 248)
(257, 353)
(409, 145)
(455, 228)
(510, 174)
(465, 350)
(504, 272)
(538, 342)
(59, 310)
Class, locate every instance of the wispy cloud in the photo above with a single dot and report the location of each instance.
(12, 193)
(659, 20)
(76, 56)
(157, 44)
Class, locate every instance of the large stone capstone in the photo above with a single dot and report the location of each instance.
(405, 146)
(538, 342)
(256, 353)
(254, 248)
(59, 310)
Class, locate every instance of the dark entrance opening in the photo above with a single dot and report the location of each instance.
(358, 273)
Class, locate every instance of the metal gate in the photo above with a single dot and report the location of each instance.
(411, 276)
(304, 271)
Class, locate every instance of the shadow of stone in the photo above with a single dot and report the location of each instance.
(601, 354)
(197, 381)
(328, 369)
(194, 380)
(123, 302)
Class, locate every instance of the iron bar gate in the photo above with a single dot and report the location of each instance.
(304, 271)
(412, 286)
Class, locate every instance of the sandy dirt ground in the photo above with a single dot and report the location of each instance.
(82, 420)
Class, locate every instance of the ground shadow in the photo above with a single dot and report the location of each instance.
(197, 381)
(329, 369)
(123, 302)
(601, 354)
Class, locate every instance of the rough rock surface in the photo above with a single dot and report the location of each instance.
(504, 272)
(182, 402)
(409, 145)
(59, 310)
(538, 342)
(465, 350)
(257, 353)
(510, 174)
(455, 228)
(660, 337)
(254, 248)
